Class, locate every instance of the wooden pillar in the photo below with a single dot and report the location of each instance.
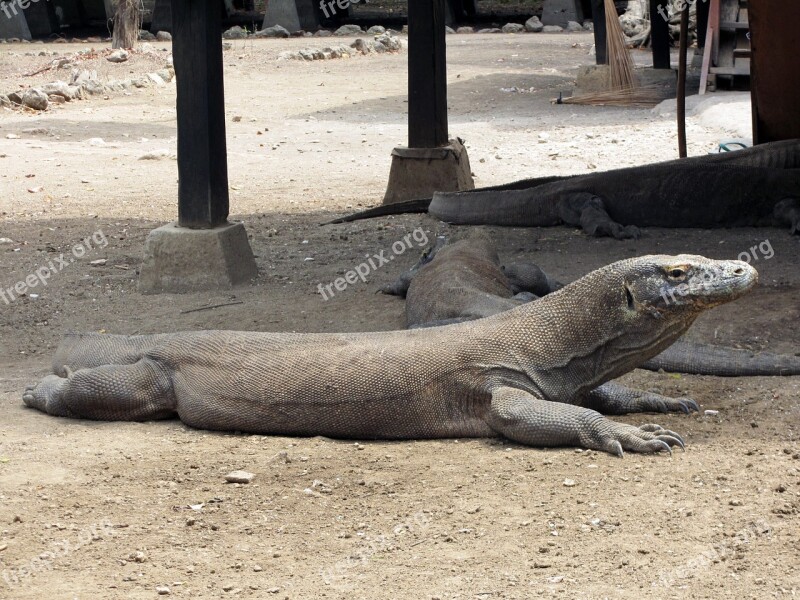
(202, 158)
(659, 34)
(427, 82)
(599, 22)
(775, 70)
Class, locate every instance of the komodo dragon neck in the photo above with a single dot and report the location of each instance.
(586, 334)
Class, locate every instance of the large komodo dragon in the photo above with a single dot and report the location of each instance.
(530, 374)
(464, 280)
(759, 186)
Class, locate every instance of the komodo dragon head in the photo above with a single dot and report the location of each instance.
(628, 312)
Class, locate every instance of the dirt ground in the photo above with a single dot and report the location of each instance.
(117, 510)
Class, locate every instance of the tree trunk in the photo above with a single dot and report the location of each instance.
(127, 23)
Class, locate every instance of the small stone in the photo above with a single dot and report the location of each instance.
(227, 587)
(276, 31)
(552, 29)
(6, 241)
(273, 590)
(12, 136)
(346, 30)
(490, 30)
(465, 30)
(239, 477)
(323, 33)
(711, 413)
(162, 590)
(138, 557)
(258, 568)
(735, 502)
(146, 36)
(117, 56)
(35, 99)
(237, 33)
(574, 26)
(569, 483)
(533, 25)
(376, 30)
(448, 30)
(513, 28)
(98, 263)
(588, 25)
(163, 36)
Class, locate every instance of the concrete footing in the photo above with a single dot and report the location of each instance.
(560, 12)
(293, 14)
(418, 172)
(178, 259)
(13, 23)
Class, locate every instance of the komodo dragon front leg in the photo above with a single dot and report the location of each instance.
(585, 210)
(524, 418)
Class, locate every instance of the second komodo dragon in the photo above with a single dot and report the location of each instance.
(533, 374)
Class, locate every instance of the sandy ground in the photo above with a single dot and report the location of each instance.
(115, 510)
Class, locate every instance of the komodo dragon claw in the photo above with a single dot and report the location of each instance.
(618, 437)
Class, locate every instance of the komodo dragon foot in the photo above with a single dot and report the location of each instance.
(47, 396)
(524, 418)
(615, 399)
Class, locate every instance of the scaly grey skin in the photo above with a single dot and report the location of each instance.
(463, 281)
(758, 186)
(527, 374)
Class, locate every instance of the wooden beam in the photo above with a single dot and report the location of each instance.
(427, 80)
(599, 22)
(659, 34)
(202, 155)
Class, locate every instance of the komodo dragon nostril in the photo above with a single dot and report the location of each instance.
(739, 271)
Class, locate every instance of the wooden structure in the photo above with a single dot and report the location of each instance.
(775, 79)
(727, 47)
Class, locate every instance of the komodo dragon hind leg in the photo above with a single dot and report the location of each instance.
(526, 419)
(588, 211)
(788, 212)
(138, 392)
(615, 399)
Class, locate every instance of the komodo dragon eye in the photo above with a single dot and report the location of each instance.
(676, 273)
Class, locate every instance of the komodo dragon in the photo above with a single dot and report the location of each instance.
(464, 280)
(753, 187)
(530, 374)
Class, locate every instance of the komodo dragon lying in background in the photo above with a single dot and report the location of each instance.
(753, 187)
(530, 374)
(464, 280)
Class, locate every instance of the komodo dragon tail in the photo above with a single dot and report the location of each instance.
(421, 205)
(706, 359)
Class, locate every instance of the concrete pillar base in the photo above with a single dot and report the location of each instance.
(293, 15)
(14, 25)
(560, 12)
(419, 172)
(178, 259)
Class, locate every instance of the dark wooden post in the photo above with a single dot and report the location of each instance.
(599, 22)
(202, 158)
(427, 83)
(659, 33)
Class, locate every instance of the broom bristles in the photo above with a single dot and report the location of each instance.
(620, 64)
(649, 95)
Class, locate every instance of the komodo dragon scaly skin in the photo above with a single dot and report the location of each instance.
(528, 374)
(753, 187)
(463, 280)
